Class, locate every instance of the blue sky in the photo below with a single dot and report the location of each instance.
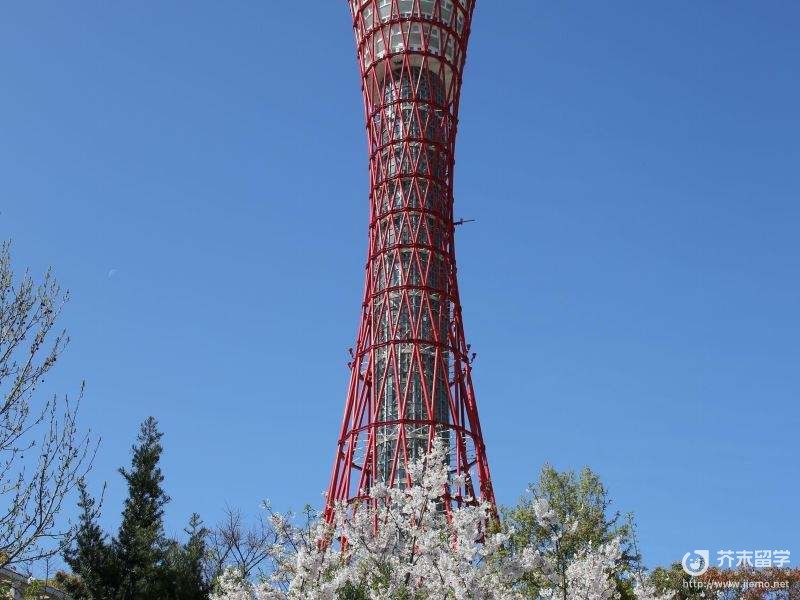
(631, 285)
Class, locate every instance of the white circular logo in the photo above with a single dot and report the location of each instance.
(696, 563)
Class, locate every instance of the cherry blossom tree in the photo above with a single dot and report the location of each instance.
(402, 545)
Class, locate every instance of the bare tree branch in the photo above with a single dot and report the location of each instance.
(250, 548)
(43, 453)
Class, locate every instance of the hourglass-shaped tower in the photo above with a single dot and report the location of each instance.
(411, 378)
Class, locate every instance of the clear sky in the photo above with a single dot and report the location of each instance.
(196, 174)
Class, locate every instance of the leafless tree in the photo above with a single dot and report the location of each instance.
(245, 547)
(43, 454)
(250, 547)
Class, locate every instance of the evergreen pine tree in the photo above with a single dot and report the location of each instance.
(139, 547)
(89, 555)
(140, 563)
(186, 572)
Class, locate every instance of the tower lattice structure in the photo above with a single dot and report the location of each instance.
(411, 379)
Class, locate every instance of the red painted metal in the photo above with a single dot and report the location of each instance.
(411, 375)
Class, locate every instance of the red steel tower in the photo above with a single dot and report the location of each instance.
(411, 375)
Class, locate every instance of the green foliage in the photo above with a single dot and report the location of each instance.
(138, 546)
(579, 499)
(352, 592)
(89, 556)
(73, 585)
(34, 590)
(184, 566)
(140, 563)
(675, 579)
